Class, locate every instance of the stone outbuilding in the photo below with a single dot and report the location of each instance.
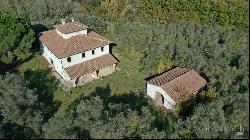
(174, 86)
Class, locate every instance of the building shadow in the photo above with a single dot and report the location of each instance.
(112, 45)
(37, 28)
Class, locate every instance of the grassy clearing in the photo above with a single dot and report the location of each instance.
(127, 79)
(33, 65)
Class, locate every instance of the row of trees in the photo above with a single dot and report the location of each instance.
(38, 10)
(219, 54)
(223, 12)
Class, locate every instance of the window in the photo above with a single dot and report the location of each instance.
(162, 99)
(93, 51)
(102, 48)
(83, 55)
(69, 59)
(51, 61)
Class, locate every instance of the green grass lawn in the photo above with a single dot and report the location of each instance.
(127, 79)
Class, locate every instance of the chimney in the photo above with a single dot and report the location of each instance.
(72, 19)
(63, 21)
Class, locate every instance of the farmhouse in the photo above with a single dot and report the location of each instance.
(77, 54)
(173, 86)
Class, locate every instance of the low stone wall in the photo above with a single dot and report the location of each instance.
(92, 76)
(85, 79)
(106, 71)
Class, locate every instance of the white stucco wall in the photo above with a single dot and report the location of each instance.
(60, 64)
(77, 58)
(56, 62)
(66, 36)
(151, 91)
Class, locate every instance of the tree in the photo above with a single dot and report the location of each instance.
(16, 38)
(60, 127)
(208, 121)
(164, 65)
(221, 118)
(19, 104)
(89, 119)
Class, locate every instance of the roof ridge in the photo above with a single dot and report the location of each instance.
(86, 36)
(169, 73)
(97, 38)
(63, 48)
(189, 70)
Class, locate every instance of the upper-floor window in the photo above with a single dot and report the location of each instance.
(69, 59)
(102, 49)
(83, 55)
(93, 51)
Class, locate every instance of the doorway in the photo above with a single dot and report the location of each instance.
(97, 73)
(77, 80)
(159, 98)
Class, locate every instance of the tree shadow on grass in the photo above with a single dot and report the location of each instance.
(15, 131)
(12, 67)
(45, 86)
(135, 101)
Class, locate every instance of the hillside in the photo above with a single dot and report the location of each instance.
(150, 37)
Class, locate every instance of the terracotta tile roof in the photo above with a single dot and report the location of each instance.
(179, 83)
(90, 66)
(66, 47)
(168, 76)
(71, 27)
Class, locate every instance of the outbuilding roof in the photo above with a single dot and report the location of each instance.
(179, 83)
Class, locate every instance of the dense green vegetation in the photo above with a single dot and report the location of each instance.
(16, 39)
(101, 118)
(151, 36)
(19, 107)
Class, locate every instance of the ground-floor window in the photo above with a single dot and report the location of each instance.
(51, 61)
